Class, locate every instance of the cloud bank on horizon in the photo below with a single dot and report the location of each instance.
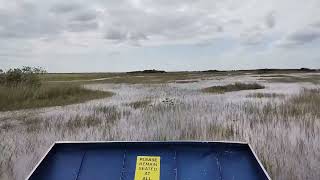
(123, 35)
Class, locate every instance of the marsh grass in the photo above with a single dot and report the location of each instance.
(265, 95)
(186, 81)
(154, 78)
(307, 102)
(221, 132)
(75, 76)
(314, 79)
(233, 87)
(284, 132)
(273, 76)
(297, 119)
(24, 97)
(139, 104)
(129, 78)
(108, 113)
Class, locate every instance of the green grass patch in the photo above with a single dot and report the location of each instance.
(126, 78)
(265, 95)
(25, 97)
(233, 87)
(274, 76)
(75, 76)
(314, 79)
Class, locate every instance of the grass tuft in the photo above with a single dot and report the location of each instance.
(78, 122)
(232, 87)
(139, 104)
(109, 113)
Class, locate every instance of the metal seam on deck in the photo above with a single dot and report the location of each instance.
(84, 154)
(219, 166)
(123, 164)
(176, 164)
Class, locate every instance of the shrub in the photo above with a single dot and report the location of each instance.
(26, 76)
(1, 76)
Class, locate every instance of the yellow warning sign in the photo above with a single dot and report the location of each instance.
(147, 168)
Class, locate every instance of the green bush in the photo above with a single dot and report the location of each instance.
(21, 88)
(28, 76)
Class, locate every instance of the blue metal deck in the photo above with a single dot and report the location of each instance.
(179, 161)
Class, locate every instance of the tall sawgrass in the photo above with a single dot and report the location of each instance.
(22, 97)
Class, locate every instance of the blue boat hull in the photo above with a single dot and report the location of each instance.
(178, 161)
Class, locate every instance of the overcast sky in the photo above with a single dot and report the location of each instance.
(125, 35)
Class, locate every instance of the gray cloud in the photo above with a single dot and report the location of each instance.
(32, 20)
(235, 21)
(270, 20)
(26, 23)
(65, 7)
(137, 36)
(82, 26)
(253, 36)
(85, 16)
(220, 28)
(135, 24)
(116, 35)
(300, 37)
(316, 25)
(257, 34)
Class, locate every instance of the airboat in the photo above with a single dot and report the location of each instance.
(186, 160)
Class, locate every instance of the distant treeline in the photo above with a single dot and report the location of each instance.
(266, 70)
(284, 70)
(259, 71)
(148, 71)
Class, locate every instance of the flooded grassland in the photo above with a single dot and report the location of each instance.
(281, 121)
